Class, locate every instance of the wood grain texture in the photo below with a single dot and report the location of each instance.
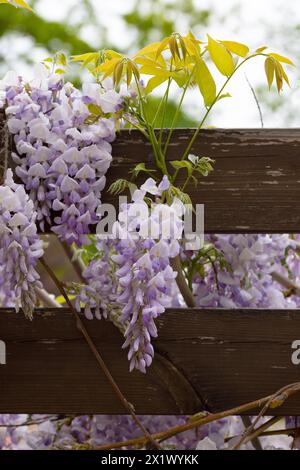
(254, 188)
(255, 184)
(205, 359)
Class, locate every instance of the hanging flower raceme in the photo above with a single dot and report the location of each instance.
(20, 247)
(60, 158)
(98, 295)
(147, 237)
(131, 282)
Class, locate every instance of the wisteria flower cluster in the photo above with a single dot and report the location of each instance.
(61, 160)
(142, 283)
(20, 247)
(249, 281)
(98, 294)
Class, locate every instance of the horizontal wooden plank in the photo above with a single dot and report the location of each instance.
(205, 359)
(255, 183)
(254, 187)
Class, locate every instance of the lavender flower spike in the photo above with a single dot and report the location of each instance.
(20, 247)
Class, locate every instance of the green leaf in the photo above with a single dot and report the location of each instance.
(178, 164)
(94, 109)
(121, 185)
(236, 48)
(204, 166)
(205, 82)
(224, 95)
(174, 192)
(61, 59)
(221, 57)
(141, 167)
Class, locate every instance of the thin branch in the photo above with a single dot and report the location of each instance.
(182, 283)
(275, 400)
(80, 326)
(286, 282)
(46, 298)
(259, 431)
(4, 153)
(254, 439)
(291, 432)
(256, 101)
(284, 394)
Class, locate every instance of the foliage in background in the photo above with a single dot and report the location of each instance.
(145, 21)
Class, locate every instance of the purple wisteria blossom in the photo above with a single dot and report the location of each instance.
(146, 241)
(60, 159)
(249, 282)
(131, 282)
(20, 247)
(100, 291)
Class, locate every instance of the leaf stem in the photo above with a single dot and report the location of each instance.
(191, 143)
(175, 118)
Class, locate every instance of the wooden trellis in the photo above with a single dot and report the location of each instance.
(205, 358)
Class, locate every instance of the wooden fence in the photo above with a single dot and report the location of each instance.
(205, 358)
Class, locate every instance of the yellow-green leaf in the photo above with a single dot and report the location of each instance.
(281, 58)
(117, 73)
(284, 75)
(278, 75)
(108, 67)
(88, 57)
(162, 46)
(270, 69)
(221, 57)
(150, 70)
(61, 300)
(153, 83)
(205, 82)
(147, 61)
(18, 3)
(261, 49)
(236, 48)
(150, 49)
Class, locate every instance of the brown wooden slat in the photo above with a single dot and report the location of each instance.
(255, 186)
(214, 358)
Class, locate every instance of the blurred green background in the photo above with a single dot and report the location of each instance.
(78, 26)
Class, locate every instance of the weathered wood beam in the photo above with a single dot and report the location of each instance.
(205, 359)
(255, 184)
(254, 188)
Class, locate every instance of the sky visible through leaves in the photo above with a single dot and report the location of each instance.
(102, 22)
